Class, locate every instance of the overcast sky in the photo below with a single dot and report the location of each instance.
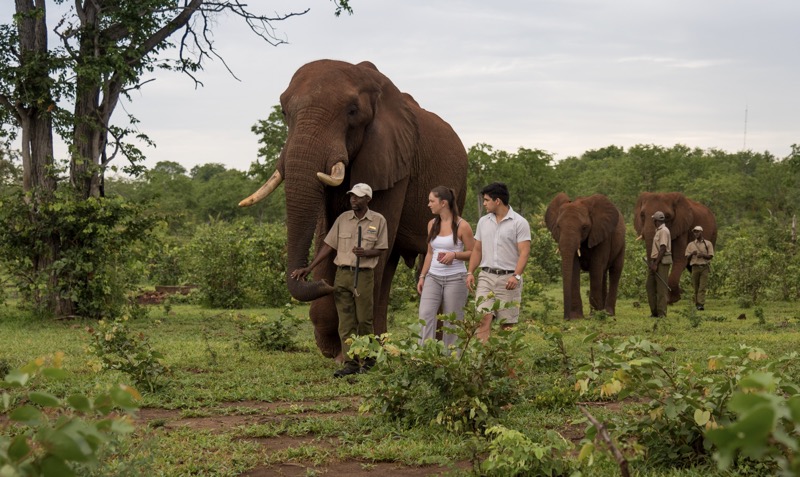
(564, 76)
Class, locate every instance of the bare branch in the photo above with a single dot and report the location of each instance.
(603, 433)
(6, 103)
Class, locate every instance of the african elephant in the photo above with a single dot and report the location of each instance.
(681, 216)
(590, 233)
(349, 124)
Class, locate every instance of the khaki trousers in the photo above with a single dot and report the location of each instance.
(355, 313)
(700, 283)
(657, 290)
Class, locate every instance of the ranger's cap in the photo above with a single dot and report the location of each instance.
(361, 190)
(659, 215)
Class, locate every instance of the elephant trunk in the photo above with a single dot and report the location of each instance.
(571, 272)
(305, 203)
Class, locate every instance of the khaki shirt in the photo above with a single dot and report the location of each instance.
(701, 246)
(343, 236)
(662, 237)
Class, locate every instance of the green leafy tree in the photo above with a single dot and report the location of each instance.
(272, 133)
(105, 49)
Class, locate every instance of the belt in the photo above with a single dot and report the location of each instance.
(700, 265)
(497, 271)
(353, 269)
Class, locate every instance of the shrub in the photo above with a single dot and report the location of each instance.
(746, 268)
(404, 289)
(238, 265)
(685, 401)
(101, 245)
(119, 349)
(68, 437)
(634, 273)
(512, 454)
(218, 263)
(265, 249)
(461, 388)
(276, 335)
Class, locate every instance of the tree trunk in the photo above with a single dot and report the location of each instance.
(33, 112)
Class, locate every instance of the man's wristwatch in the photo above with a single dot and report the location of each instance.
(518, 277)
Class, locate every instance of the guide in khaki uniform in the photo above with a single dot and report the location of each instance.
(354, 305)
(660, 260)
(699, 252)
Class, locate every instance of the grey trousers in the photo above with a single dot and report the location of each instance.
(451, 293)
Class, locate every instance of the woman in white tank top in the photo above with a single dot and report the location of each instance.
(442, 281)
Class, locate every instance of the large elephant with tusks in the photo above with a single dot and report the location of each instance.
(348, 124)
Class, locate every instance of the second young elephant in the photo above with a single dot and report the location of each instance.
(681, 216)
(590, 233)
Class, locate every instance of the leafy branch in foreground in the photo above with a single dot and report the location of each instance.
(51, 436)
(681, 402)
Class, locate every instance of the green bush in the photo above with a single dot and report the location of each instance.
(238, 265)
(512, 454)
(276, 335)
(634, 273)
(461, 388)
(167, 264)
(265, 249)
(101, 244)
(404, 289)
(218, 264)
(747, 269)
(46, 435)
(684, 401)
(117, 348)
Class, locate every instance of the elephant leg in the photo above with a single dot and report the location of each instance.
(675, 282)
(596, 286)
(614, 275)
(382, 293)
(326, 327)
(324, 317)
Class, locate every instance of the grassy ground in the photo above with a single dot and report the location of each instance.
(230, 409)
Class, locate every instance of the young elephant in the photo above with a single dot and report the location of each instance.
(590, 233)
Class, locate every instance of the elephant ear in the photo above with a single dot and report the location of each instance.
(551, 214)
(389, 148)
(638, 223)
(605, 217)
(684, 215)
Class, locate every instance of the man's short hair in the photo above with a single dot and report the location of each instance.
(496, 190)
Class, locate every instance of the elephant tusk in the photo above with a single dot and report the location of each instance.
(336, 177)
(558, 251)
(265, 190)
(639, 237)
(579, 252)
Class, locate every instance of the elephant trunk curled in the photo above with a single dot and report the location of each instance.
(305, 202)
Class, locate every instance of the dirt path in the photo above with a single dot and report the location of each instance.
(227, 416)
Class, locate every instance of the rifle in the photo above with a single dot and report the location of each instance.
(358, 262)
(657, 275)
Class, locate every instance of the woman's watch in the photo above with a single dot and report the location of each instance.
(518, 277)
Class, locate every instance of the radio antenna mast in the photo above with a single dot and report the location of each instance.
(744, 147)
